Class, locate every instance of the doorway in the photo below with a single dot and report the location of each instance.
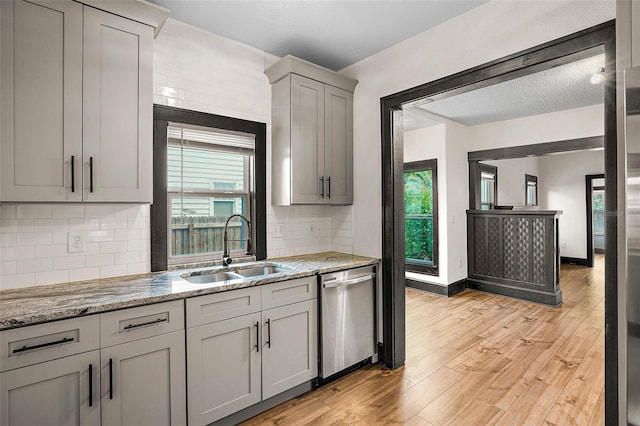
(527, 62)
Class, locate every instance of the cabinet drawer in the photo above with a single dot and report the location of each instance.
(38, 343)
(287, 292)
(221, 306)
(138, 323)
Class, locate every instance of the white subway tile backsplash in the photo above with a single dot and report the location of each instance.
(26, 225)
(17, 280)
(17, 253)
(99, 260)
(98, 210)
(34, 238)
(51, 250)
(113, 271)
(69, 262)
(51, 277)
(33, 265)
(84, 224)
(8, 212)
(137, 223)
(138, 245)
(67, 211)
(8, 225)
(138, 268)
(113, 247)
(113, 223)
(99, 236)
(8, 268)
(128, 211)
(50, 225)
(8, 240)
(34, 211)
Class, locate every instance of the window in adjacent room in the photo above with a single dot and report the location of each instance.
(531, 190)
(488, 186)
(421, 216)
(206, 168)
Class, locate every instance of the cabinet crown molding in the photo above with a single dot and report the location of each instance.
(292, 65)
(137, 10)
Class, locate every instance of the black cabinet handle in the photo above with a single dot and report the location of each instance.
(110, 378)
(142, 324)
(257, 336)
(268, 333)
(322, 187)
(90, 174)
(329, 185)
(73, 173)
(43, 345)
(90, 385)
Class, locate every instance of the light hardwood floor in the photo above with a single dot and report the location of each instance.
(478, 359)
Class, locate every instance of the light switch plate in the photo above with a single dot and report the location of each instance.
(278, 230)
(75, 242)
(312, 229)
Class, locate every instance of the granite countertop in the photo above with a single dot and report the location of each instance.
(33, 305)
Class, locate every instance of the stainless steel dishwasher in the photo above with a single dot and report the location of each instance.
(347, 324)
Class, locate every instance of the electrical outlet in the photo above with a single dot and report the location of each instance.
(278, 230)
(75, 242)
(564, 245)
(312, 229)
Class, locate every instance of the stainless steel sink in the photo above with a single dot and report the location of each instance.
(212, 277)
(256, 271)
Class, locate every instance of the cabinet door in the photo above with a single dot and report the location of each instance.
(290, 346)
(143, 382)
(63, 392)
(307, 140)
(117, 108)
(41, 100)
(338, 145)
(223, 368)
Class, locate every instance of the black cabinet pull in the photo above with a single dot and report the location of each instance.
(257, 336)
(90, 385)
(322, 187)
(329, 185)
(43, 345)
(90, 174)
(110, 378)
(268, 333)
(142, 324)
(73, 173)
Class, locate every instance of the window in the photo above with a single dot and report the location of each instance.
(206, 168)
(421, 216)
(488, 186)
(209, 178)
(531, 190)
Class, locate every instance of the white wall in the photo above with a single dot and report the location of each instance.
(463, 42)
(511, 178)
(562, 187)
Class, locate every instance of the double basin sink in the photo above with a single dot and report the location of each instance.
(213, 276)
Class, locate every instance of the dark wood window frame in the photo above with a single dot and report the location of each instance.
(433, 166)
(527, 179)
(538, 58)
(162, 116)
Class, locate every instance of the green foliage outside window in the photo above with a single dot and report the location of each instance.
(418, 207)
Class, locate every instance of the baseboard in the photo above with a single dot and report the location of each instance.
(550, 299)
(441, 289)
(573, 261)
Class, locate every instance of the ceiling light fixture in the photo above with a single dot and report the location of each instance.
(597, 76)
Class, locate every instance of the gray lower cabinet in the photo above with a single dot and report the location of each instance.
(143, 382)
(290, 351)
(62, 392)
(224, 369)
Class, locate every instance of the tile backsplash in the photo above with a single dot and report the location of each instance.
(34, 242)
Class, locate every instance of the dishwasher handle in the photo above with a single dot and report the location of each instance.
(343, 283)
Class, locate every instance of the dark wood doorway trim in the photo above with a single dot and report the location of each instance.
(589, 198)
(535, 59)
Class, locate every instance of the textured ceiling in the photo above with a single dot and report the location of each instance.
(557, 89)
(334, 34)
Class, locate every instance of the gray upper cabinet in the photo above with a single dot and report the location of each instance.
(77, 104)
(312, 134)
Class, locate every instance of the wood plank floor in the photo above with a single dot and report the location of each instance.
(478, 359)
